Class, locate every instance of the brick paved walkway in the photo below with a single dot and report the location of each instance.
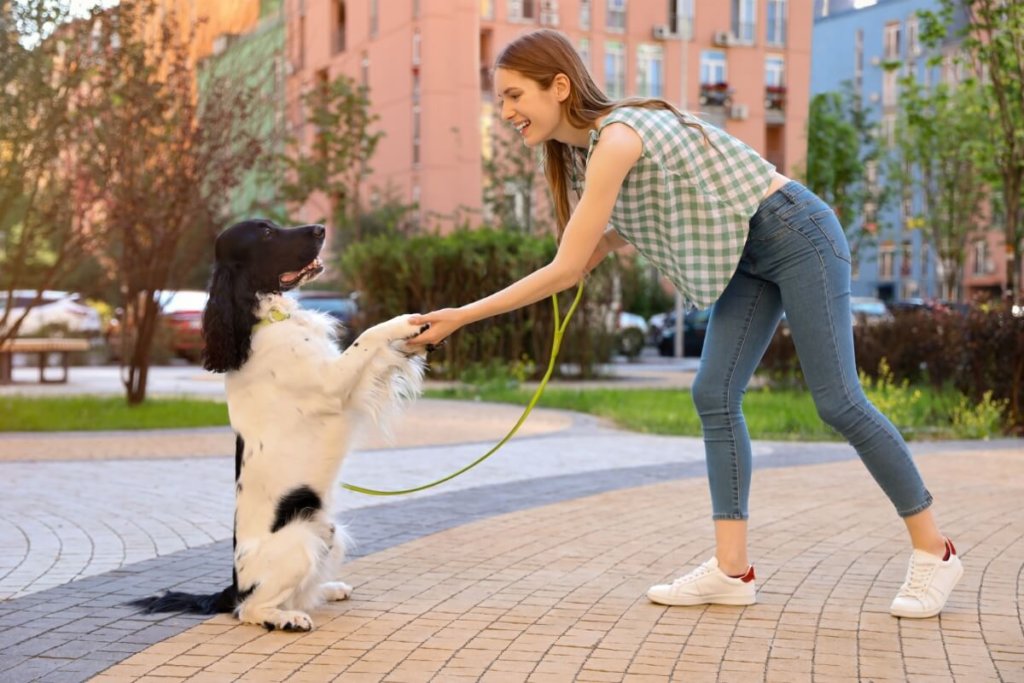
(555, 593)
(543, 580)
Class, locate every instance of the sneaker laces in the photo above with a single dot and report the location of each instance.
(919, 577)
(702, 570)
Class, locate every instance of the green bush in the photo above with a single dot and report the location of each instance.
(422, 273)
(980, 354)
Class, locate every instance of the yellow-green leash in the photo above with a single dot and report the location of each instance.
(560, 327)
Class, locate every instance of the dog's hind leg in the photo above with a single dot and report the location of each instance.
(333, 591)
(278, 569)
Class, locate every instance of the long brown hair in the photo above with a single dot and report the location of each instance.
(540, 56)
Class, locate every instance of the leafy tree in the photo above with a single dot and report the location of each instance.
(335, 163)
(157, 163)
(841, 145)
(991, 35)
(42, 231)
(947, 177)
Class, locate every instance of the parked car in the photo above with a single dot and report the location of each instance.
(630, 334)
(341, 307)
(181, 317)
(868, 310)
(56, 314)
(695, 325)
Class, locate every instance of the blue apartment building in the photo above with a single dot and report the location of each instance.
(851, 41)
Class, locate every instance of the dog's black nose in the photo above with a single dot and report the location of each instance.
(319, 231)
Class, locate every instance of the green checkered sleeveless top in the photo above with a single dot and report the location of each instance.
(685, 205)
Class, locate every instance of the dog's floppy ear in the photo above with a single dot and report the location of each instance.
(228, 320)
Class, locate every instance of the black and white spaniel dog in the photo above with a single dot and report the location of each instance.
(294, 400)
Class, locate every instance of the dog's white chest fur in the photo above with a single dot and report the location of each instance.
(294, 403)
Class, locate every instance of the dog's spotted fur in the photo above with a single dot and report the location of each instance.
(294, 401)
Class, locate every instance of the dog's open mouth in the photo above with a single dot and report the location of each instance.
(295, 278)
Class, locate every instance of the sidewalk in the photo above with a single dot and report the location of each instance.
(531, 567)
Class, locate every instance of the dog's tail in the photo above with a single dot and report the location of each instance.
(172, 601)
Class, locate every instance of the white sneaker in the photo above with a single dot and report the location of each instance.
(929, 582)
(706, 585)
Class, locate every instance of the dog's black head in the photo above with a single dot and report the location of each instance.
(253, 257)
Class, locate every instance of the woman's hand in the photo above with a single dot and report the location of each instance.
(442, 323)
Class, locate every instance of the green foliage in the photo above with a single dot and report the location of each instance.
(425, 272)
(981, 420)
(952, 353)
(897, 400)
(840, 144)
(991, 54)
(336, 161)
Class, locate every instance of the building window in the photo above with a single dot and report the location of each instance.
(614, 70)
(364, 69)
(886, 261)
(521, 10)
(891, 40)
(615, 19)
(338, 35)
(890, 87)
(776, 22)
(585, 14)
(416, 40)
(712, 67)
(907, 259)
(913, 41)
(486, 9)
(983, 264)
(415, 135)
(584, 52)
(649, 71)
(774, 69)
(743, 20)
(374, 18)
(680, 18)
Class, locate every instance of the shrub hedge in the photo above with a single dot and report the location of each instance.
(422, 273)
(977, 352)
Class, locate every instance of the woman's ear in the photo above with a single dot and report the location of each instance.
(226, 329)
(562, 86)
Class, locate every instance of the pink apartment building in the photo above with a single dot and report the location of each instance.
(743, 65)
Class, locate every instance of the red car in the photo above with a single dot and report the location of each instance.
(182, 315)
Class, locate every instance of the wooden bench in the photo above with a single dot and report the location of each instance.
(43, 348)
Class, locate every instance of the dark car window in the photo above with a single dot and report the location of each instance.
(343, 308)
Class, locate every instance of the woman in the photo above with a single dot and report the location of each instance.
(726, 229)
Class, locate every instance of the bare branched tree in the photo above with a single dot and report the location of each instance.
(157, 160)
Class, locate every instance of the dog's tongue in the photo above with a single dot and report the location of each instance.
(289, 278)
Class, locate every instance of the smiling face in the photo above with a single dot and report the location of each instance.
(534, 112)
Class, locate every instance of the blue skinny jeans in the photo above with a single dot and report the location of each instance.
(796, 260)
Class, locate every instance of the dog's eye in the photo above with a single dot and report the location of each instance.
(267, 233)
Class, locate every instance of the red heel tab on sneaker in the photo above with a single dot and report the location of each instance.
(950, 550)
(749, 576)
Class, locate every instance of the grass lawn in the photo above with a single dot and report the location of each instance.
(92, 413)
(776, 415)
(779, 415)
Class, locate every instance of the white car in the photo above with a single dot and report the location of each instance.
(56, 313)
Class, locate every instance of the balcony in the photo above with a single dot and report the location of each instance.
(775, 105)
(715, 94)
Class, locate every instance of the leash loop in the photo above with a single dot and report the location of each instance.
(556, 344)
